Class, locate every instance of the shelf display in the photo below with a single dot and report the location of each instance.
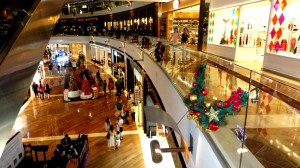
(191, 24)
(283, 36)
(225, 21)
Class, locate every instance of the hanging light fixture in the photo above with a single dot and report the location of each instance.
(175, 4)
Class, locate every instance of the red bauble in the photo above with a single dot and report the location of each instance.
(197, 113)
(195, 103)
(219, 104)
(190, 94)
(205, 109)
(194, 84)
(226, 104)
(204, 92)
(213, 126)
(192, 111)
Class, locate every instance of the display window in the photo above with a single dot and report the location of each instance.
(222, 27)
(251, 40)
(283, 34)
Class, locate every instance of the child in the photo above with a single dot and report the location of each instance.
(118, 141)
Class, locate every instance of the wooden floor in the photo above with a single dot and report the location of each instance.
(44, 122)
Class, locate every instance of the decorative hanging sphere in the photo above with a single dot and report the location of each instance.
(219, 104)
(197, 113)
(205, 109)
(195, 103)
(204, 92)
(190, 116)
(194, 84)
(190, 94)
(226, 104)
(213, 126)
(192, 111)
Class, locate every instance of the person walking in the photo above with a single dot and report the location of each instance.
(50, 67)
(107, 124)
(35, 89)
(120, 126)
(48, 91)
(112, 137)
(111, 85)
(132, 109)
(118, 140)
(185, 36)
(175, 37)
(41, 89)
(104, 86)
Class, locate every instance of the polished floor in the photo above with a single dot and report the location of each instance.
(270, 121)
(44, 122)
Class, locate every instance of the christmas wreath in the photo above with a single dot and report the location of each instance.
(214, 115)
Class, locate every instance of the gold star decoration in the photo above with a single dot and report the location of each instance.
(213, 114)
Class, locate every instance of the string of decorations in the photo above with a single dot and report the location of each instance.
(214, 115)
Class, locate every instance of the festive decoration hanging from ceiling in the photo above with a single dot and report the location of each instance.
(212, 116)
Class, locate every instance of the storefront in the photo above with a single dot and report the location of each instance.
(283, 44)
(238, 31)
(101, 55)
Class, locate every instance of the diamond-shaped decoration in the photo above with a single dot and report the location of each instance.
(281, 18)
(279, 33)
(232, 22)
(210, 23)
(208, 39)
(270, 97)
(237, 12)
(268, 108)
(213, 23)
(273, 32)
(209, 31)
(283, 4)
(274, 19)
(210, 15)
(212, 31)
(262, 104)
(276, 5)
(213, 15)
(212, 39)
(277, 46)
(233, 12)
(271, 45)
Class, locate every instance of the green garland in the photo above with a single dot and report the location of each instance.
(213, 116)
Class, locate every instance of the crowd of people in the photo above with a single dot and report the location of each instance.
(124, 109)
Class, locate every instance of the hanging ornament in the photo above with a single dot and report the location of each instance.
(197, 113)
(205, 109)
(212, 114)
(195, 103)
(193, 97)
(226, 104)
(190, 116)
(213, 126)
(192, 111)
(194, 84)
(219, 104)
(190, 94)
(204, 92)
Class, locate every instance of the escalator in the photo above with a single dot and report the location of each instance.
(26, 28)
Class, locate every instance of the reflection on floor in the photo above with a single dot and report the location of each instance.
(53, 118)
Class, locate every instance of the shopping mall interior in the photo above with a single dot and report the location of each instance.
(201, 83)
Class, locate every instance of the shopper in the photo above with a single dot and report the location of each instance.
(35, 89)
(111, 137)
(48, 91)
(107, 124)
(104, 86)
(175, 37)
(132, 109)
(41, 91)
(185, 36)
(50, 67)
(120, 126)
(118, 140)
(159, 51)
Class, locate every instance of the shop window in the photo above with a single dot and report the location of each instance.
(284, 35)
(223, 27)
